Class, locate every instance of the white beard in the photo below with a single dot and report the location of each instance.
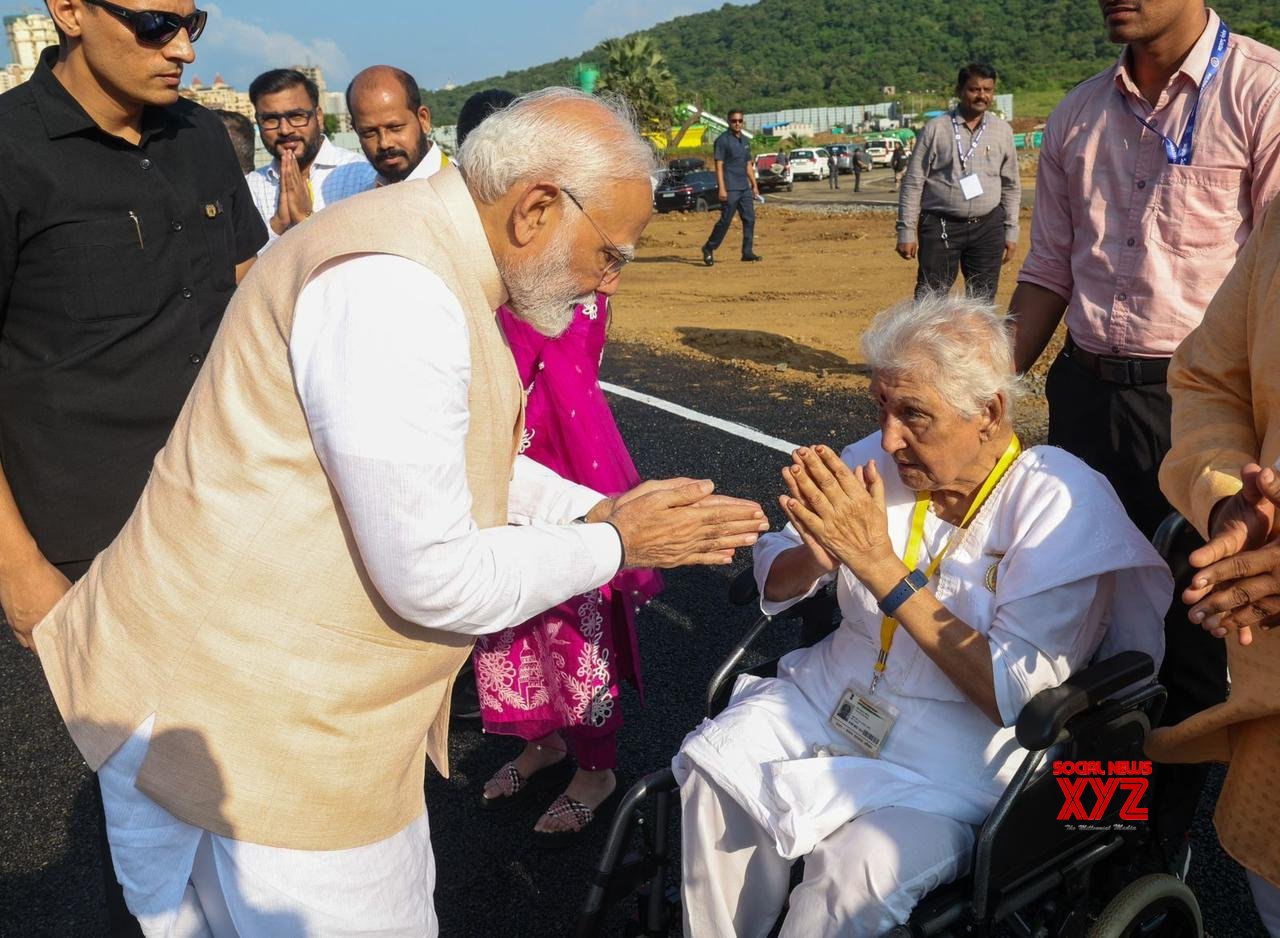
(543, 291)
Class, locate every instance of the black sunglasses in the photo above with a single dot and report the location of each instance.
(156, 27)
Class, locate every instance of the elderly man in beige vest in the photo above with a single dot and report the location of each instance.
(260, 664)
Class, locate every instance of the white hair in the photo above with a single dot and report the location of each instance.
(532, 138)
(963, 347)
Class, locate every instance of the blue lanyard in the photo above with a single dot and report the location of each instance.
(1180, 154)
(955, 128)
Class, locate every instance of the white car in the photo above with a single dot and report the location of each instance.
(809, 164)
(880, 152)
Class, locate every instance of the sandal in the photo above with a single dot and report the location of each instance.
(515, 788)
(581, 815)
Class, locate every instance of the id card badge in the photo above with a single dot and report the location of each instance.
(970, 186)
(864, 720)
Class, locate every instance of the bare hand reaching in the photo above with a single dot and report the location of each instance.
(27, 594)
(677, 522)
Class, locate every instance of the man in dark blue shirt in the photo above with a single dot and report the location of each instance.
(736, 177)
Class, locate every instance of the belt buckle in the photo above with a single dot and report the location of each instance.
(1119, 370)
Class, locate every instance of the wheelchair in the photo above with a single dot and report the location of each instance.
(1031, 875)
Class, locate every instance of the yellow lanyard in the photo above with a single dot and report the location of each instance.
(889, 625)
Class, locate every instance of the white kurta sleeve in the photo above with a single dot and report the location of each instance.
(381, 359)
(1038, 642)
(539, 494)
(766, 552)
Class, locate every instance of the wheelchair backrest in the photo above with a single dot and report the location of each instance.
(1087, 787)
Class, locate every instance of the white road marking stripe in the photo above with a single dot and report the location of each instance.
(728, 426)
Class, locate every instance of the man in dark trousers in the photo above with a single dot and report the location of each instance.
(1180, 144)
(110, 295)
(736, 177)
(857, 161)
(958, 205)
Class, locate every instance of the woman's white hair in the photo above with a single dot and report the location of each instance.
(535, 138)
(963, 347)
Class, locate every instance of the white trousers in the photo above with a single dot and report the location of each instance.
(1266, 898)
(860, 881)
(184, 882)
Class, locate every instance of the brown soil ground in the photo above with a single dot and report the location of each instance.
(798, 314)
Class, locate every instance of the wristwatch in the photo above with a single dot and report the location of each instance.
(906, 588)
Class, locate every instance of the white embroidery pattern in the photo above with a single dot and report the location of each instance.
(579, 698)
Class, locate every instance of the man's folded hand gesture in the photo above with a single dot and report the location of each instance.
(673, 522)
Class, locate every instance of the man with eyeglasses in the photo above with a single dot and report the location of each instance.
(736, 179)
(125, 224)
(309, 171)
(340, 511)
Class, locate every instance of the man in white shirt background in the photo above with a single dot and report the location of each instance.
(393, 124)
(308, 172)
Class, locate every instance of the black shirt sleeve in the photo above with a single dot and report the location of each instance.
(246, 220)
(8, 235)
(248, 229)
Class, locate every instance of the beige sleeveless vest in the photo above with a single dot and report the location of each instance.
(293, 707)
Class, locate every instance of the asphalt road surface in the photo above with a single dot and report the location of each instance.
(490, 880)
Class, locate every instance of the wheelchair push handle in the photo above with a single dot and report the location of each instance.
(1041, 721)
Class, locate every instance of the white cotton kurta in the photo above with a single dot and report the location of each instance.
(381, 356)
(1067, 568)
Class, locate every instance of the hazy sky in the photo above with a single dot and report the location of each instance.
(438, 41)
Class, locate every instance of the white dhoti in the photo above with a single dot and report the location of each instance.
(861, 880)
(184, 882)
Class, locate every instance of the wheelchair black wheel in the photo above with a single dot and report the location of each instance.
(1155, 906)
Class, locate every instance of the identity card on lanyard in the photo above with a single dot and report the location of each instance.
(1179, 154)
(861, 717)
(970, 185)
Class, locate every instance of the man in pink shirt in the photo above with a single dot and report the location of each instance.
(1152, 175)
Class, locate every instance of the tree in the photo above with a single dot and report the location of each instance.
(635, 70)
(331, 125)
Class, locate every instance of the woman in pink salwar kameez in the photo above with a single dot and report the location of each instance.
(554, 680)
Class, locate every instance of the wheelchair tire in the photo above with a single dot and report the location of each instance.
(1156, 905)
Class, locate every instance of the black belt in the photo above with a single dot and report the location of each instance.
(959, 220)
(1113, 369)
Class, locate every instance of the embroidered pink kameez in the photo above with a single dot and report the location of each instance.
(561, 671)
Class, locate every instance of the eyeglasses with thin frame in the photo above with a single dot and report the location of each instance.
(156, 27)
(297, 118)
(618, 258)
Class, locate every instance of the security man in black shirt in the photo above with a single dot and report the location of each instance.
(125, 224)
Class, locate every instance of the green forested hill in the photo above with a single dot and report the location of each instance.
(804, 53)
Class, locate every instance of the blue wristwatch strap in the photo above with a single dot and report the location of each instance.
(906, 588)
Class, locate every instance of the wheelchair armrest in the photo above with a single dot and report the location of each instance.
(743, 590)
(1041, 721)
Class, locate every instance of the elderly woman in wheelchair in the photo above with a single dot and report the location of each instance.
(971, 574)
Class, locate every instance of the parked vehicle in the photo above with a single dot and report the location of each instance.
(881, 151)
(686, 164)
(773, 172)
(844, 156)
(691, 192)
(809, 164)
